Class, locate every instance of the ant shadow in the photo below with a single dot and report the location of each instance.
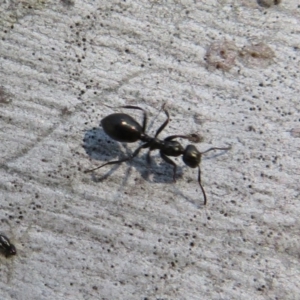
(99, 147)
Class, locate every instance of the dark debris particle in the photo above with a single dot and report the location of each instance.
(6, 247)
(268, 3)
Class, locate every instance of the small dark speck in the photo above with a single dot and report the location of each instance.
(67, 2)
(268, 3)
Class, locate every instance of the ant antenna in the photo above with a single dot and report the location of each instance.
(202, 189)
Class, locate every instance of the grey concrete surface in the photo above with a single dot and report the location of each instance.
(227, 71)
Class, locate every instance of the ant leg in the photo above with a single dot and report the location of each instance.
(214, 148)
(193, 137)
(135, 153)
(162, 127)
(171, 162)
(145, 118)
(199, 181)
(172, 137)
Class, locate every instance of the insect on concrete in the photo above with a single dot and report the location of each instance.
(125, 129)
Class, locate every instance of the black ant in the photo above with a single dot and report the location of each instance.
(6, 246)
(123, 128)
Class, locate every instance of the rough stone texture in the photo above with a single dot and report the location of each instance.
(133, 234)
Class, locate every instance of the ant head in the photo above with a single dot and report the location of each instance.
(191, 156)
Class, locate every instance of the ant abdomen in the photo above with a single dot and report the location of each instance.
(122, 128)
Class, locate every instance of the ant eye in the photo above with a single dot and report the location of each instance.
(191, 156)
